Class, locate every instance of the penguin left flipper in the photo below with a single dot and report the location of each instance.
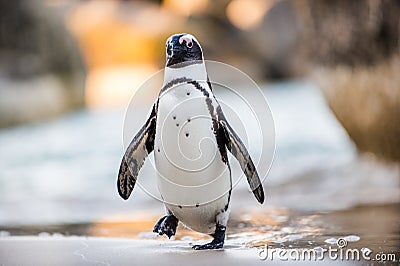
(238, 149)
(135, 155)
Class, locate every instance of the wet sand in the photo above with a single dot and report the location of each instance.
(113, 251)
(115, 243)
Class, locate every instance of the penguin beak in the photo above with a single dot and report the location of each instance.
(174, 48)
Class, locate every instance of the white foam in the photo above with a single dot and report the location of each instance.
(331, 241)
(351, 238)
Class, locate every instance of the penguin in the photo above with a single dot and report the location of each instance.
(190, 137)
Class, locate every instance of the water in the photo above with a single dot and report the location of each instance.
(60, 176)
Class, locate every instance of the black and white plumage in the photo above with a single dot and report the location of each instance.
(190, 136)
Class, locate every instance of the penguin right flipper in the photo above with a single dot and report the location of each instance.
(135, 155)
(237, 148)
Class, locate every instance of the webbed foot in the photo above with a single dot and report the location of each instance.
(218, 241)
(166, 225)
(211, 245)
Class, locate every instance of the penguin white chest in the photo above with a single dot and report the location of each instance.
(193, 180)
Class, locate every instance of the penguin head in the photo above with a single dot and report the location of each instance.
(183, 48)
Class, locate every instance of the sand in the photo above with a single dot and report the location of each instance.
(118, 251)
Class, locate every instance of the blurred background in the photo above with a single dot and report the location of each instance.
(329, 70)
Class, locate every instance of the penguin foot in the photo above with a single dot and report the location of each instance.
(218, 241)
(166, 225)
(212, 245)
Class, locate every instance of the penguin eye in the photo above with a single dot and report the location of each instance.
(189, 44)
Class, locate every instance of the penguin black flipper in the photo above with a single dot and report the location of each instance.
(238, 149)
(140, 147)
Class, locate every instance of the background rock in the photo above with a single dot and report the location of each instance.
(351, 48)
(41, 70)
(354, 48)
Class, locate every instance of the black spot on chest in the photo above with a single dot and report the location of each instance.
(217, 128)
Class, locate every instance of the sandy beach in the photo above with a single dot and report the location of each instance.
(117, 251)
(114, 251)
(133, 243)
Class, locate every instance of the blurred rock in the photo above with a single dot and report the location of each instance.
(366, 101)
(275, 42)
(352, 33)
(41, 70)
(352, 48)
(268, 50)
(355, 48)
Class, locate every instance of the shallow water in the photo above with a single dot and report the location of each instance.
(373, 227)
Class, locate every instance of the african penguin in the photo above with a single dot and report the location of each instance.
(190, 136)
